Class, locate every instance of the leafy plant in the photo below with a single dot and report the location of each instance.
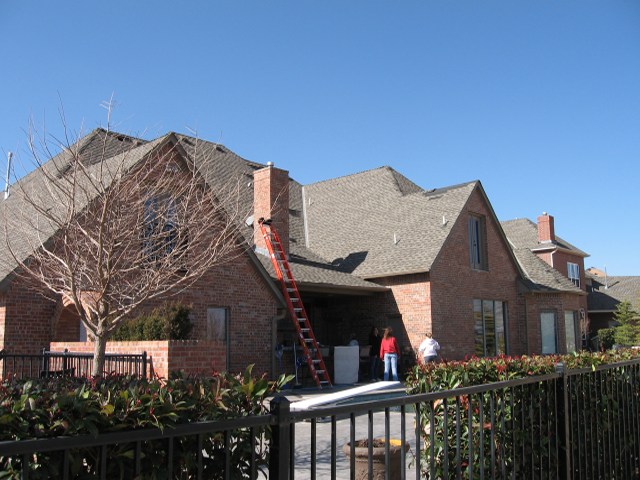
(169, 322)
(507, 433)
(66, 406)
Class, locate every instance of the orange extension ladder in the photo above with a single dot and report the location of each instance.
(308, 342)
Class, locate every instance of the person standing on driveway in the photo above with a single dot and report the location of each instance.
(428, 349)
(389, 353)
(374, 354)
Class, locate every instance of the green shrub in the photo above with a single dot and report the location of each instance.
(169, 322)
(606, 338)
(68, 406)
(489, 426)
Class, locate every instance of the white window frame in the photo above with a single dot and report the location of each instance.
(573, 272)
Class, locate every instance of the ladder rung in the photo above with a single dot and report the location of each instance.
(297, 310)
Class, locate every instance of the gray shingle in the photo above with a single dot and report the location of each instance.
(17, 211)
(368, 225)
(523, 237)
(523, 233)
(605, 295)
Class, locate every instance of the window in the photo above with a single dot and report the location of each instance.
(490, 319)
(573, 272)
(477, 243)
(160, 230)
(570, 328)
(218, 329)
(548, 332)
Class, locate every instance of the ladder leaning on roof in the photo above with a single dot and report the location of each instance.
(297, 312)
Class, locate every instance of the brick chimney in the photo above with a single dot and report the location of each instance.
(271, 200)
(546, 231)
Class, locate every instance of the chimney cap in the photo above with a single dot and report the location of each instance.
(269, 164)
(545, 213)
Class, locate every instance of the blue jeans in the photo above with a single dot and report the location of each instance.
(391, 362)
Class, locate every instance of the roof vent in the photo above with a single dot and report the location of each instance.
(6, 186)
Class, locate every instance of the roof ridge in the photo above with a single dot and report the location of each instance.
(362, 172)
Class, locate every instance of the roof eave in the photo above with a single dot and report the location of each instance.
(310, 287)
(394, 274)
(557, 248)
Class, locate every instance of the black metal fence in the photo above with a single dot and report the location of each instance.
(579, 424)
(55, 364)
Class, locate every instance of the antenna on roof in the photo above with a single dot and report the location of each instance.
(6, 185)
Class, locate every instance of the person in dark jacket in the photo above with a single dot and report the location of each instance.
(374, 354)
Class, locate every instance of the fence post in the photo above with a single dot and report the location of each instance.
(64, 362)
(564, 429)
(144, 364)
(280, 438)
(45, 362)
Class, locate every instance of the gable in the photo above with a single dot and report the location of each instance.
(496, 249)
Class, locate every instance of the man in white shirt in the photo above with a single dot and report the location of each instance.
(429, 348)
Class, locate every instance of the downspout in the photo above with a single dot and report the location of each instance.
(275, 373)
(526, 324)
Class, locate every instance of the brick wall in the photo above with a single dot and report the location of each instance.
(193, 357)
(454, 285)
(408, 300)
(27, 319)
(271, 200)
(560, 260)
(238, 287)
(558, 303)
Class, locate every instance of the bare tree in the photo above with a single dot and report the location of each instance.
(112, 222)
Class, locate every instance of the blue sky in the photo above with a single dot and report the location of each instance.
(540, 100)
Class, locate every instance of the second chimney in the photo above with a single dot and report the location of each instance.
(271, 200)
(546, 232)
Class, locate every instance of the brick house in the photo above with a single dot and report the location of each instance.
(605, 293)
(555, 299)
(369, 249)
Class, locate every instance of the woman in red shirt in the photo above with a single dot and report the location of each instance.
(389, 352)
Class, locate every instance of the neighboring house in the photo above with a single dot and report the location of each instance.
(555, 299)
(605, 293)
(369, 249)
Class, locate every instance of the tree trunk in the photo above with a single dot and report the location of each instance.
(99, 348)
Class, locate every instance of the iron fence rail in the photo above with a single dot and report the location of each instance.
(577, 424)
(53, 364)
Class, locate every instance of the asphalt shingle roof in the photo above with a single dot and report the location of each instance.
(20, 217)
(523, 233)
(606, 294)
(221, 168)
(376, 223)
(523, 237)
